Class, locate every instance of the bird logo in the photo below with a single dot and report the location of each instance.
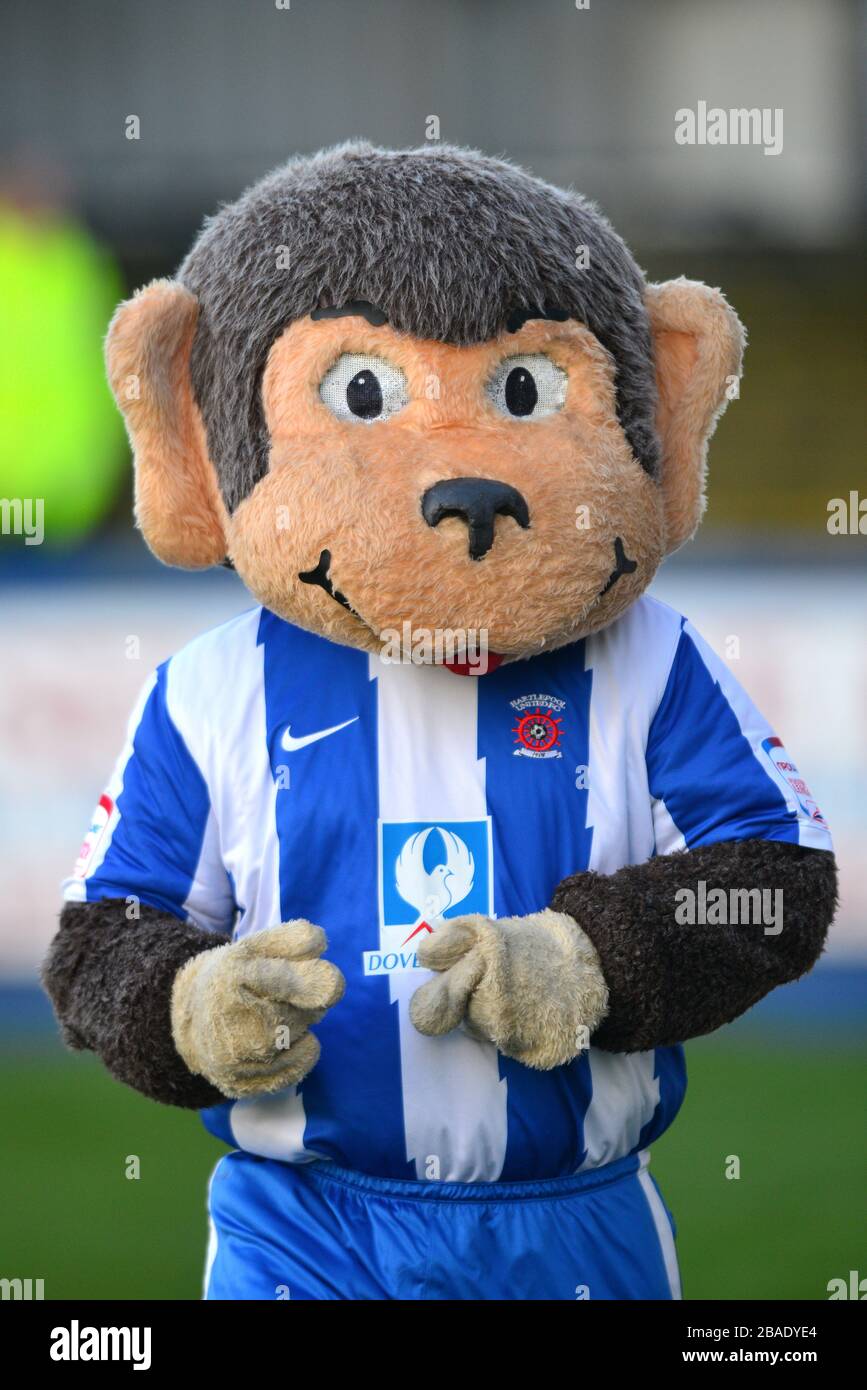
(432, 892)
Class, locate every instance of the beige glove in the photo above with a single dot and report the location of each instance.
(531, 985)
(240, 1013)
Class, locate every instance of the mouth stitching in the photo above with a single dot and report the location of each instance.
(622, 566)
(320, 576)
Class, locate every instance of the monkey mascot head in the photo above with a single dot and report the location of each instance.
(421, 387)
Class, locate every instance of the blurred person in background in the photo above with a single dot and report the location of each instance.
(60, 436)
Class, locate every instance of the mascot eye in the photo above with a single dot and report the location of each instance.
(528, 387)
(359, 387)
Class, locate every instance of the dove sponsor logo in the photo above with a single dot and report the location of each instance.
(429, 871)
(390, 962)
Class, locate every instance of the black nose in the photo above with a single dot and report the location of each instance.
(478, 502)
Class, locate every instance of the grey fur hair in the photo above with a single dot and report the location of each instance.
(448, 242)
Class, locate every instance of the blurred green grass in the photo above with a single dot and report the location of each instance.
(794, 1118)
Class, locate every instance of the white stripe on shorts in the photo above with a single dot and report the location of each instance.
(662, 1224)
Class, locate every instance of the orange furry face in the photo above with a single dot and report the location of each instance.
(348, 535)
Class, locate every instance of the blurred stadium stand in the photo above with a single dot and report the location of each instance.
(224, 90)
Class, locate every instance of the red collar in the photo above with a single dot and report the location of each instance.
(463, 668)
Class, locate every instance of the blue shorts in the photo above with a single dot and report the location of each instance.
(311, 1231)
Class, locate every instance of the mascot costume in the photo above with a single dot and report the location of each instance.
(388, 880)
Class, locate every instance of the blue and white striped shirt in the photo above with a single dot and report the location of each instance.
(422, 795)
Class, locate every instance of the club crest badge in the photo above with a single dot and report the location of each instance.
(539, 726)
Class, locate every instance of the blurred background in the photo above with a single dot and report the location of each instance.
(121, 125)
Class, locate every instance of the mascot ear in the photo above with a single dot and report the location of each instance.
(698, 343)
(177, 499)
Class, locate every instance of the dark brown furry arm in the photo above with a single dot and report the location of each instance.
(110, 981)
(669, 982)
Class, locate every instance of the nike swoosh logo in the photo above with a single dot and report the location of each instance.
(291, 744)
